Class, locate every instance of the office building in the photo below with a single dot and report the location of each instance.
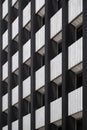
(43, 64)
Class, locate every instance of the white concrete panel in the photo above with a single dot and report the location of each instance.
(56, 110)
(14, 2)
(5, 71)
(40, 117)
(40, 77)
(15, 125)
(27, 14)
(26, 87)
(15, 28)
(5, 102)
(5, 128)
(15, 61)
(15, 95)
(39, 5)
(56, 24)
(75, 101)
(5, 8)
(40, 38)
(27, 122)
(5, 40)
(27, 51)
(56, 67)
(75, 52)
(75, 9)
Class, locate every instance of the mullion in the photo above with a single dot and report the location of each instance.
(68, 122)
(47, 65)
(84, 64)
(33, 27)
(20, 43)
(0, 66)
(9, 65)
(64, 64)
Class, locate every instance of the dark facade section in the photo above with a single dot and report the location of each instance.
(64, 65)
(33, 61)
(9, 65)
(67, 81)
(1, 65)
(20, 43)
(47, 65)
(84, 64)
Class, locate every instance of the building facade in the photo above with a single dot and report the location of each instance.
(43, 64)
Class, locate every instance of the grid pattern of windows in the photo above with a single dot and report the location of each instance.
(43, 78)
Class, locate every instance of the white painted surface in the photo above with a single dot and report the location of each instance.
(26, 87)
(39, 5)
(75, 53)
(27, 14)
(56, 24)
(4, 8)
(75, 101)
(5, 70)
(40, 38)
(75, 8)
(5, 40)
(56, 110)
(15, 95)
(27, 122)
(40, 117)
(40, 77)
(15, 28)
(56, 67)
(5, 102)
(15, 125)
(14, 2)
(5, 128)
(27, 51)
(15, 61)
